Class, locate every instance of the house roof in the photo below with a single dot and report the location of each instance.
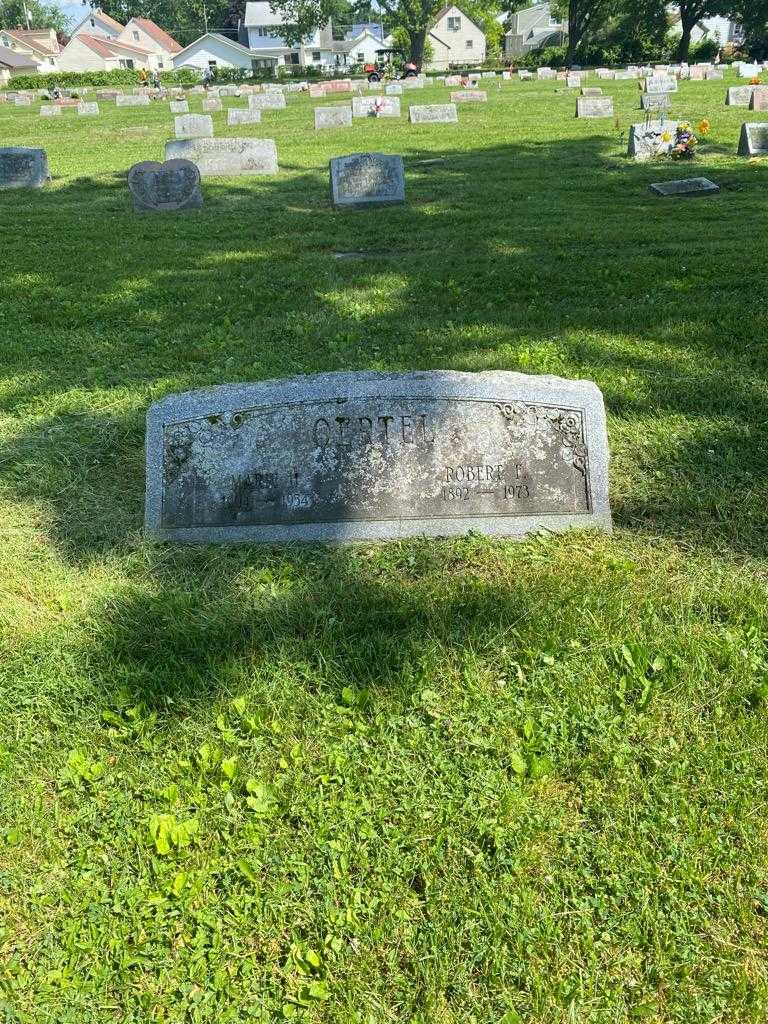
(101, 16)
(108, 48)
(449, 7)
(222, 39)
(159, 35)
(347, 44)
(30, 39)
(372, 27)
(260, 13)
(14, 59)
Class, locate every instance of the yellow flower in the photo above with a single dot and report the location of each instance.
(704, 127)
(666, 137)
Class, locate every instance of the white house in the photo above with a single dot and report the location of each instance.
(260, 32)
(455, 39)
(718, 29)
(148, 36)
(98, 53)
(97, 23)
(39, 44)
(214, 51)
(16, 62)
(532, 29)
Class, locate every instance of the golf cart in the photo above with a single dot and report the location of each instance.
(383, 68)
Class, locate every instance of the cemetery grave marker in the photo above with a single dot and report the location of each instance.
(333, 117)
(375, 106)
(132, 101)
(367, 179)
(393, 89)
(88, 109)
(656, 101)
(591, 91)
(266, 101)
(373, 456)
(685, 187)
(193, 126)
(212, 106)
(236, 115)
(179, 107)
(433, 113)
(754, 139)
(594, 107)
(171, 186)
(650, 139)
(226, 157)
(469, 96)
(50, 111)
(759, 100)
(23, 168)
(739, 96)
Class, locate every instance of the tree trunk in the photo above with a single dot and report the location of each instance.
(685, 39)
(574, 32)
(418, 39)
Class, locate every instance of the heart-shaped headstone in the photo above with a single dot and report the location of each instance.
(173, 185)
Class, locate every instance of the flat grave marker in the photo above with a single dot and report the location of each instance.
(685, 187)
(333, 117)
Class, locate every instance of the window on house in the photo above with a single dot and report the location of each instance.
(454, 24)
(360, 56)
(93, 23)
(469, 44)
(136, 36)
(553, 21)
(316, 56)
(211, 63)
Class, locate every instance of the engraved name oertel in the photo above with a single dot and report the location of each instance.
(360, 455)
(374, 459)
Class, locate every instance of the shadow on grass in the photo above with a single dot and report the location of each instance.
(541, 258)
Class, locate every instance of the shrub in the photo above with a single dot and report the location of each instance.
(550, 56)
(106, 79)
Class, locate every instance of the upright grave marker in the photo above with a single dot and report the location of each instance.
(226, 157)
(212, 106)
(46, 111)
(23, 168)
(655, 101)
(333, 117)
(368, 456)
(367, 179)
(433, 113)
(594, 107)
(88, 109)
(754, 139)
(131, 101)
(236, 115)
(654, 138)
(375, 106)
(193, 126)
(179, 107)
(272, 100)
(172, 186)
(469, 96)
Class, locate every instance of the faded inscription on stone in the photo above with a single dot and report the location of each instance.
(367, 179)
(174, 185)
(356, 456)
(88, 109)
(193, 126)
(236, 115)
(226, 157)
(333, 117)
(23, 168)
(433, 113)
(594, 106)
(267, 101)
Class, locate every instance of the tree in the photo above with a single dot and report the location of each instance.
(753, 17)
(585, 18)
(414, 16)
(691, 12)
(13, 15)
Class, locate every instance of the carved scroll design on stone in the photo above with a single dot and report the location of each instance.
(524, 419)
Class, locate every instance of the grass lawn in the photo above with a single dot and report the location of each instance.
(467, 782)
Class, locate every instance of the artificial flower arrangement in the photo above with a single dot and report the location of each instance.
(678, 141)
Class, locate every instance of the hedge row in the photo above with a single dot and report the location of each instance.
(73, 79)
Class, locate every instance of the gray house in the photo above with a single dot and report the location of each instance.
(532, 29)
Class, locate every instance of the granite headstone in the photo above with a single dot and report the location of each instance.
(23, 168)
(226, 158)
(171, 186)
(193, 126)
(344, 457)
(433, 113)
(367, 179)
